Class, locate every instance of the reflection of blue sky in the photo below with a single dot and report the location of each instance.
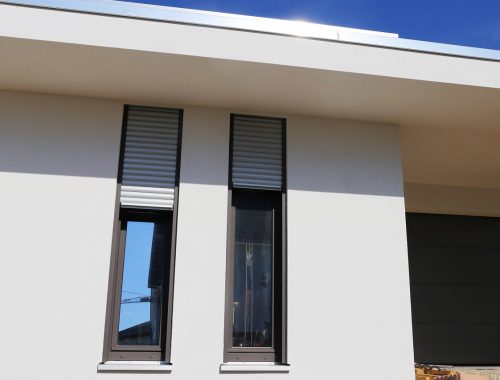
(135, 273)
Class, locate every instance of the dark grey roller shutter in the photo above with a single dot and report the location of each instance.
(257, 153)
(150, 157)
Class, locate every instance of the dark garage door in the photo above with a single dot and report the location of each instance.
(455, 288)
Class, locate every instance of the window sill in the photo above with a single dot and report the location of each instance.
(134, 366)
(254, 367)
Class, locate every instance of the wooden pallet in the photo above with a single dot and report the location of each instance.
(430, 373)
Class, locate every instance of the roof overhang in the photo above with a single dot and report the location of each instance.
(97, 55)
(369, 76)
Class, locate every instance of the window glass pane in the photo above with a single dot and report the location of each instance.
(140, 309)
(253, 283)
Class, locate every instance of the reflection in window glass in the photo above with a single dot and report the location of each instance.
(253, 263)
(140, 309)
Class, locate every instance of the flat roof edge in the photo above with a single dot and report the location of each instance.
(257, 24)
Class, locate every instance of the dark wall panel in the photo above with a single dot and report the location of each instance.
(453, 265)
(455, 288)
(456, 343)
(456, 304)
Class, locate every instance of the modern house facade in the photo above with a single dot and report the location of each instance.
(195, 195)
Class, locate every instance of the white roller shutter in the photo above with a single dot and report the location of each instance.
(150, 157)
(257, 153)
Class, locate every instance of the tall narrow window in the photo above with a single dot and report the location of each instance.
(138, 322)
(255, 323)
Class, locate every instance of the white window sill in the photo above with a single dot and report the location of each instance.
(134, 366)
(254, 367)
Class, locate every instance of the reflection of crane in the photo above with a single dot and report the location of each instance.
(141, 297)
(137, 299)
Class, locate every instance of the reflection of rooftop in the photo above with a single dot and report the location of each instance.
(136, 335)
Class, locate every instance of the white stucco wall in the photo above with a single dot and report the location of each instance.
(58, 165)
(349, 297)
(349, 304)
(198, 320)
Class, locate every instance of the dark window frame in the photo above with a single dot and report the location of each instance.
(111, 350)
(138, 352)
(278, 352)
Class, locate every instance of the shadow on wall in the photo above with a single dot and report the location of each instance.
(205, 146)
(323, 155)
(57, 135)
(343, 157)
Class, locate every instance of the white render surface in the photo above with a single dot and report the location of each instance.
(348, 293)
(254, 367)
(58, 166)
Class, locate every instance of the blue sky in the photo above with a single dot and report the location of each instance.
(461, 22)
(135, 273)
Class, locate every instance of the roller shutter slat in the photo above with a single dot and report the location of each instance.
(145, 156)
(250, 154)
(257, 153)
(264, 173)
(256, 121)
(152, 118)
(144, 151)
(264, 165)
(258, 135)
(153, 135)
(148, 162)
(162, 146)
(162, 112)
(140, 166)
(150, 158)
(252, 184)
(144, 140)
(147, 183)
(256, 147)
(149, 177)
(252, 160)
